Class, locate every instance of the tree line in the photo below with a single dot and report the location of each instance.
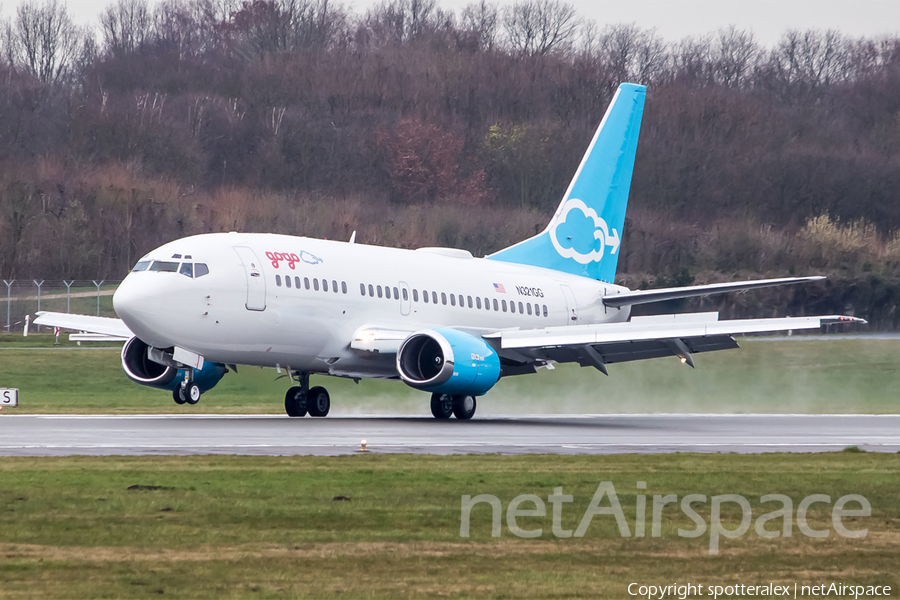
(301, 116)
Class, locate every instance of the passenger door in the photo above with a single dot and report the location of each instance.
(256, 281)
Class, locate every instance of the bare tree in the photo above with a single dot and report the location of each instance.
(43, 40)
(632, 54)
(810, 59)
(538, 27)
(125, 26)
(481, 19)
(692, 60)
(735, 54)
(401, 21)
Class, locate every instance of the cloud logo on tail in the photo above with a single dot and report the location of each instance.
(573, 246)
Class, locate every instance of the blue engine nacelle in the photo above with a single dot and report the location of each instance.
(137, 365)
(447, 361)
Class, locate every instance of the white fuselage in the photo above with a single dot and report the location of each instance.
(250, 310)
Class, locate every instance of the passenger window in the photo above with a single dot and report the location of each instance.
(306, 282)
(521, 309)
(425, 296)
(504, 306)
(496, 304)
(334, 286)
(528, 306)
(287, 281)
(512, 307)
(387, 292)
(362, 289)
(415, 295)
(278, 280)
(545, 310)
(405, 295)
(297, 282)
(470, 302)
(443, 298)
(379, 291)
(397, 294)
(371, 291)
(324, 285)
(187, 269)
(141, 266)
(434, 297)
(315, 284)
(344, 287)
(200, 269)
(478, 302)
(452, 300)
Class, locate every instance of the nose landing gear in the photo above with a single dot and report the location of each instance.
(186, 392)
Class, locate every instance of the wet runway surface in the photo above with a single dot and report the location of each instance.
(64, 435)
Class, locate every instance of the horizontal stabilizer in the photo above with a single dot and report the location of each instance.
(663, 294)
(102, 325)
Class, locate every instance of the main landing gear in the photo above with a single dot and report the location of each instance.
(186, 392)
(445, 405)
(300, 400)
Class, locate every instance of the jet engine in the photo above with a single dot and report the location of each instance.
(447, 361)
(141, 368)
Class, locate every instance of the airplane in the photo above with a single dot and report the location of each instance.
(437, 319)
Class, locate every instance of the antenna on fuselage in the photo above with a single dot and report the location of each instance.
(353, 237)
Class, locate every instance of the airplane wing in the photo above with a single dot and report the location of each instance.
(640, 338)
(106, 327)
(659, 295)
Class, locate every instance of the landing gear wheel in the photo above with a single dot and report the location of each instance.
(190, 392)
(176, 395)
(295, 402)
(464, 407)
(441, 406)
(318, 402)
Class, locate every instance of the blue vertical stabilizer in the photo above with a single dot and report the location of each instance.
(584, 236)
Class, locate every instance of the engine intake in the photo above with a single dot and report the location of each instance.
(448, 361)
(139, 368)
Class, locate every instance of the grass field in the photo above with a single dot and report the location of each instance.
(798, 375)
(269, 527)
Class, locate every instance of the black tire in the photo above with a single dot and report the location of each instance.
(191, 393)
(464, 407)
(295, 402)
(318, 402)
(176, 395)
(442, 406)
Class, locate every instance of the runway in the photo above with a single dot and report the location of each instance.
(66, 435)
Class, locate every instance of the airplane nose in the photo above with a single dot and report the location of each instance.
(139, 310)
(127, 300)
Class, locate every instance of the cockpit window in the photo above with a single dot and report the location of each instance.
(200, 269)
(141, 266)
(165, 266)
(187, 269)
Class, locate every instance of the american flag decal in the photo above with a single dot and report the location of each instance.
(498, 287)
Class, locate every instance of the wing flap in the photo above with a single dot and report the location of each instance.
(98, 325)
(662, 294)
(665, 327)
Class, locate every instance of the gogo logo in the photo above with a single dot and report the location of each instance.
(277, 257)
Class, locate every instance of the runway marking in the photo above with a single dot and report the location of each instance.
(383, 416)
